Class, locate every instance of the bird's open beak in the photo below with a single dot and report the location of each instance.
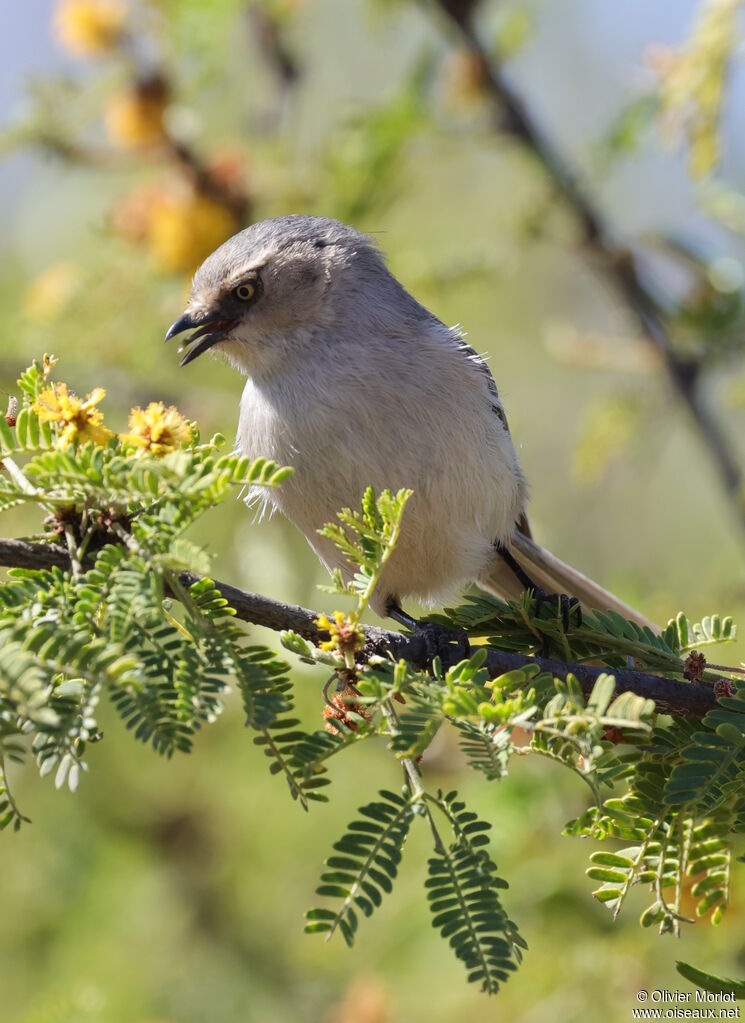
(210, 328)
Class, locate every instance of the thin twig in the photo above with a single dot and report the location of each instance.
(72, 549)
(268, 32)
(616, 260)
(410, 768)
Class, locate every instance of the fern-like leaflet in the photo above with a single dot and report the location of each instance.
(463, 892)
(369, 854)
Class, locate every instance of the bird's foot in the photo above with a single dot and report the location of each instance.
(565, 607)
(430, 640)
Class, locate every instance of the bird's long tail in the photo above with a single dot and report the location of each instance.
(555, 576)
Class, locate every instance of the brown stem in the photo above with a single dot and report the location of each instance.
(685, 699)
(617, 261)
(204, 182)
(267, 29)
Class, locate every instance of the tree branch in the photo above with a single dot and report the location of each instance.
(684, 699)
(617, 261)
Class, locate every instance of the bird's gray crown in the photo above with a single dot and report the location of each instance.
(269, 237)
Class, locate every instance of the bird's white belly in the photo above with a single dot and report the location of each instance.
(466, 494)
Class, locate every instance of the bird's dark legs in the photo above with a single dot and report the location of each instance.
(564, 603)
(450, 645)
(567, 604)
(397, 613)
(516, 568)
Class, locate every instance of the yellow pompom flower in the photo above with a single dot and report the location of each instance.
(345, 635)
(157, 429)
(76, 418)
(88, 27)
(185, 228)
(134, 120)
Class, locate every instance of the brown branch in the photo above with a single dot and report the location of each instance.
(684, 699)
(151, 80)
(618, 262)
(204, 181)
(268, 31)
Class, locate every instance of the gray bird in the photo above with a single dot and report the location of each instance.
(354, 383)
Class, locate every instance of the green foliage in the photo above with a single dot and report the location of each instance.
(367, 539)
(108, 625)
(717, 985)
(118, 619)
(463, 887)
(602, 636)
(707, 773)
(626, 131)
(462, 882)
(363, 165)
(370, 852)
(688, 836)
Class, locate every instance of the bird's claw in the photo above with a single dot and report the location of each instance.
(429, 640)
(563, 605)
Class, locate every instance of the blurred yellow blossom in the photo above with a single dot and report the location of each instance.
(86, 27)
(611, 424)
(464, 81)
(157, 429)
(227, 170)
(366, 1001)
(283, 9)
(692, 79)
(185, 228)
(132, 215)
(75, 418)
(52, 290)
(134, 119)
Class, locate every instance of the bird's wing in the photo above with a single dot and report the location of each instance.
(522, 526)
(479, 362)
(546, 570)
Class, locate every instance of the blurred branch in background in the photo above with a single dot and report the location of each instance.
(202, 201)
(619, 262)
(267, 30)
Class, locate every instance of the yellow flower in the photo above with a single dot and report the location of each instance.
(75, 418)
(611, 427)
(86, 27)
(345, 634)
(52, 290)
(157, 429)
(134, 120)
(131, 216)
(185, 228)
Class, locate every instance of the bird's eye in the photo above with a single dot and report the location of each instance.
(246, 291)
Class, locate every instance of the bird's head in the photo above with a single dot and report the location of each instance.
(269, 290)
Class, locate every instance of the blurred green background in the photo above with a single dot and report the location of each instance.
(173, 892)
